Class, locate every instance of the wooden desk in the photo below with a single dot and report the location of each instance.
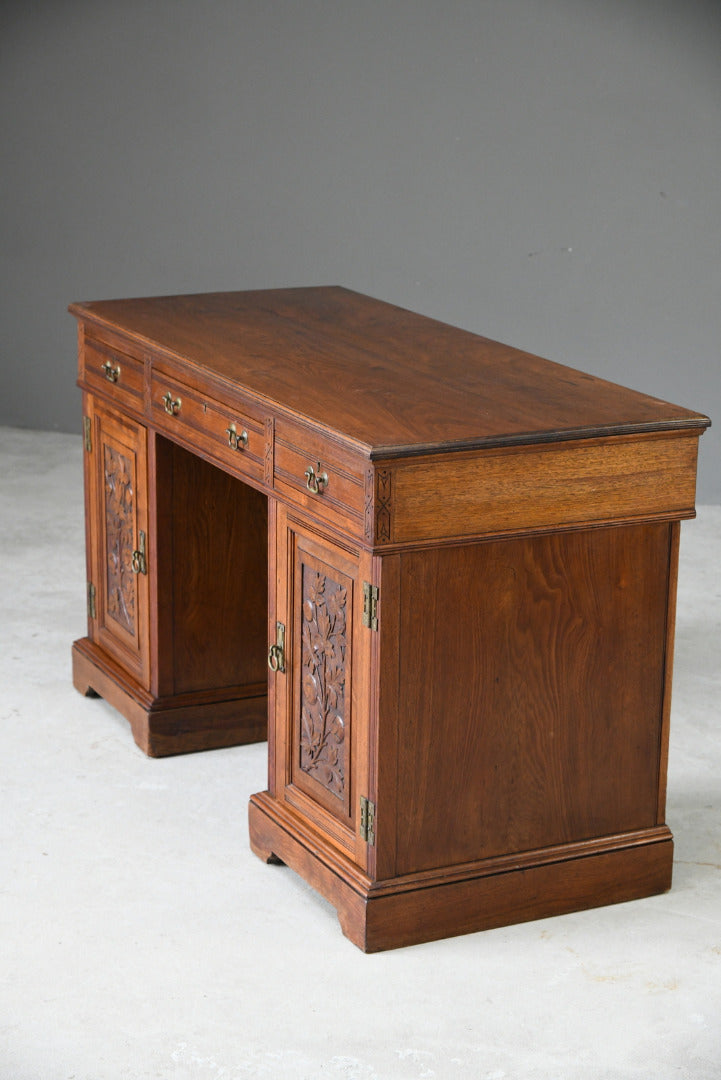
(459, 562)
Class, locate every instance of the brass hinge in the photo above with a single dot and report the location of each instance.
(91, 600)
(370, 605)
(87, 433)
(367, 820)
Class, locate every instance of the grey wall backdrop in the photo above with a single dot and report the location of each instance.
(545, 172)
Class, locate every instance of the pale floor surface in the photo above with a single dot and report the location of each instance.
(140, 938)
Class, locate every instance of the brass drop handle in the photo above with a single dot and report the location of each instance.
(315, 480)
(236, 440)
(171, 404)
(276, 654)
(138, 561)
(112, 371)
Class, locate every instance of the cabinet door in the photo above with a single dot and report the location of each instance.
(321, 700)
(117, 484)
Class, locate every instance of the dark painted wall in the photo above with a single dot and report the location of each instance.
(545, 172)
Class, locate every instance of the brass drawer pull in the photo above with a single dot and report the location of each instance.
(315, 480)
(171, 404)
(236, 441)
(276, 655)
(112, 371)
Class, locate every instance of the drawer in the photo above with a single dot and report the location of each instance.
(113, 374)
(233, 435)
(318, 473)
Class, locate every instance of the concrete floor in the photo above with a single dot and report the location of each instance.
(140, 938)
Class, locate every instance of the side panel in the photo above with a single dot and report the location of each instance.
(562, 484)
(529, 689)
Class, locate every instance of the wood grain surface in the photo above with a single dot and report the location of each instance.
(532, 688)
(392, 380)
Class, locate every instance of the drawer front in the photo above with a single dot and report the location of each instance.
(113, 374)
(319, 474)
(233, 436)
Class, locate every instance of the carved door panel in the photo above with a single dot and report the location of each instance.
(118, 546)
(322, 707)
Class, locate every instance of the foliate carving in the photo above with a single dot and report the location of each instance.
(323, 676)
(119, 538)
(383, 513)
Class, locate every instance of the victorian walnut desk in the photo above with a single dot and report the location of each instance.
(457, 559)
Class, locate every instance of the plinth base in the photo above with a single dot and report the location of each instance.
(460, 900)
(170, 725)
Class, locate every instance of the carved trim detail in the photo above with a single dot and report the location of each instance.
(268, 461)
(369, 501)
(323, 678)
(384, 505)
(119, 538)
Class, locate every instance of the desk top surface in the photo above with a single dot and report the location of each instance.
(387, 378)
